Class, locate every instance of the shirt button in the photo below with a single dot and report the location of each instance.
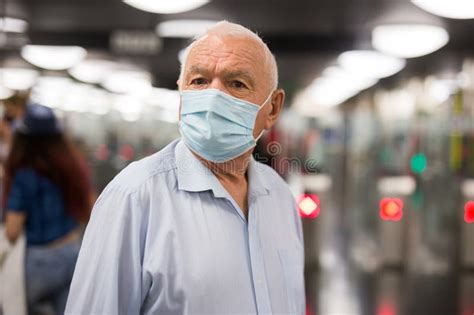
(259, 281)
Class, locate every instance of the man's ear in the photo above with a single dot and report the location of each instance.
(276, 106)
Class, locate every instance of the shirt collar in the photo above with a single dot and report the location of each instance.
(258, 186)
(194, 176)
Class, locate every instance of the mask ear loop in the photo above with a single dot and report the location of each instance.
(263, 105)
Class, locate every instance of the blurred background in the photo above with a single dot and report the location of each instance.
(376, 140)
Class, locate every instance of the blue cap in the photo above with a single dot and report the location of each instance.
(38, 120)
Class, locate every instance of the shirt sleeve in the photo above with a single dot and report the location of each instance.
(21, 192)
(108, 274)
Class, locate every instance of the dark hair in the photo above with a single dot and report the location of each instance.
(54, 157)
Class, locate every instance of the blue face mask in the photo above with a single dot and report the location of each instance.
(217, 126)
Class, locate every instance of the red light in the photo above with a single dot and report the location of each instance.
(127, 152)
(102, 152)
(308, 206)
(391, 209)
(469, 212)
(468, 311)
(386, 308)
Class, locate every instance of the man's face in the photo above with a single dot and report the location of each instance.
(234, 66)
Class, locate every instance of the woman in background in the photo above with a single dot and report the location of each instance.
(47, 195)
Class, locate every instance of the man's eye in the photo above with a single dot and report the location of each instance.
(198, 81)
(238, 84)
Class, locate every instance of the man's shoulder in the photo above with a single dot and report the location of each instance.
(138, 172)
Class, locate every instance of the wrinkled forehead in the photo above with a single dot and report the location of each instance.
(227, 53)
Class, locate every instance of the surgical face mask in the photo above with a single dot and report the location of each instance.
(217, 126)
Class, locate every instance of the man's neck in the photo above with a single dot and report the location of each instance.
(233, 177)
(233, 171)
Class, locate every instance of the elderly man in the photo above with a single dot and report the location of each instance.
(200, 227)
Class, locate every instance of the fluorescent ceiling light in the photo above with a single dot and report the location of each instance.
(18, 78)
(65, 94)
(305, 105)
(372, 64)
(76, 98)
(53, 57)
(166, 6)
(441, 89)
(128, 82)
(327, 92)
(348, 80)
(93, 71)
(167, 100)
(99, 101)
(53, 82)
(129, 107)
(13, 25)
(397, 105)
(454, 9)
(85, 98)
(336, 86)
(163, 98)
(183, 28)
(409, 40)
(50, 90)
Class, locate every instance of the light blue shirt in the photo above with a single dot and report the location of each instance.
(166, 238)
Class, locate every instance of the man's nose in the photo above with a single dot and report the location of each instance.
(218, 85)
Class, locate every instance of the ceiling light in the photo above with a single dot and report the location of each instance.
(129, 107)
(397, 105)
(183, 28)
(163, 98)
(85, 98)
(336, 86)
(128, 82)
(93, 70)
(370, 64)
(99, 101)
(12, 25)
(441, 89)
(454, 9)
(167, 100)
(50, 90)
(76, 98)
(349, 80)
(18, 78)
(53, 57)
(327, 92)
(53, 82)
(409, 40)
(166, 6)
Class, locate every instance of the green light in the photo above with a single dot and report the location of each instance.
(418, 163)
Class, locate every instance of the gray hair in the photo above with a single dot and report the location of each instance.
(227, 29)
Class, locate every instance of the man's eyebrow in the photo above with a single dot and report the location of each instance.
(197, 70)
(244, 74)
(240, 74)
